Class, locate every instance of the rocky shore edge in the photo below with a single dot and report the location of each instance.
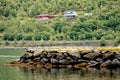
(37, 58)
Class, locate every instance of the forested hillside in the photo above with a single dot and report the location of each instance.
(18, 22)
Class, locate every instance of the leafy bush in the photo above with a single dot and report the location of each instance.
(6, 42)
(28, 37)
(8, 36)
(45, 36)
(19, 36)
(102, 42)
(17, 20)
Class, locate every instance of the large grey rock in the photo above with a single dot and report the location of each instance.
(63, 61)
(75, 53)
(106, 63)
(115, 62)
(94, 64)
(81, 60)
(91, 55)
(53, 61)
(37, 59)
(44, 60)
(99, 60)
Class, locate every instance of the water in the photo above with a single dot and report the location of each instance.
(20, 73)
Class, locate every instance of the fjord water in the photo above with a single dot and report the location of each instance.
(20, 73)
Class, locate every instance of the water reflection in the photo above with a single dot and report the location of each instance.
(22, 73)
(8, 56)
(71, 74)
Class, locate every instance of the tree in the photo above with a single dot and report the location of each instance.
(73, 35)
(58, 26)
(28, 37)
(45, 36)
(15, 42)
(17, 20)
(7, 43)
(102, 42)
(19, 36)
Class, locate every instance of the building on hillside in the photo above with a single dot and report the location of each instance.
(70, 14)
(45, 16)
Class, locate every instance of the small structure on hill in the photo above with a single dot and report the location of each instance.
(70, 14)
(45, 16)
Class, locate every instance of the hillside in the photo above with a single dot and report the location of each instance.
(18, 22)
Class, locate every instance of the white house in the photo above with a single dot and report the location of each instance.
(70, 14)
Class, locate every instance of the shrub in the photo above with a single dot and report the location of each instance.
(6, 43)
(28, 37)
(19, 36)
(8, 36)
(102, 42)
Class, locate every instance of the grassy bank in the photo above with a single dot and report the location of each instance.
(94, 43)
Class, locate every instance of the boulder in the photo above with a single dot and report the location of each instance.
(75, 53)
(54, 61)
(82, 53)
(115, 62)
(37, 53)
(99, 60)
(94, 64)
(103, 52)
(69, 59)
(31, 50)
(48, 65)
(80, 65)
(49, 55)
(72, 62)
(44, 60)
(63, 61)
(107, 64)
(37, 59)
(107, 56)
(91, 55)
(81, 61)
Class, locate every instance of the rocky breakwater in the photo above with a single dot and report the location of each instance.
(69, 59)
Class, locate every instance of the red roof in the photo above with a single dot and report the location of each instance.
(42, 16)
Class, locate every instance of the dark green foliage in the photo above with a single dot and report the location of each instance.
(28, 37)
(113, 23)
(6, 42)
(15, 42)
(9, 37)
(45, 36)
(18, 22)
(5, 36)
(58, 26)
(19, 36)
(102, 42)
(2, 28)
(37, 37)
(73, 35)
(6, 13)
(117, 40)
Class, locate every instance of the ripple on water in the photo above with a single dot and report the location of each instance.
(9, 56)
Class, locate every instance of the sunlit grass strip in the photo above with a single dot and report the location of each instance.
(109, 48)
(77, 48)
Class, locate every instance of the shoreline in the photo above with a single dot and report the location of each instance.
(62, 48)
(12, 48)
(69, 58)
